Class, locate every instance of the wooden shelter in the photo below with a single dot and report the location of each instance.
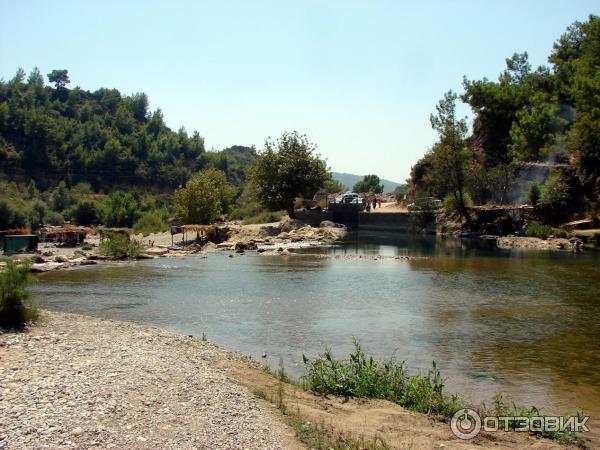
(69, 235)
(204, 233)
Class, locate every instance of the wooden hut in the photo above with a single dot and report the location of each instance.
(68, 235)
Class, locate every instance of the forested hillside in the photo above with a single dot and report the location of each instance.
(530, 126)
(105, 138)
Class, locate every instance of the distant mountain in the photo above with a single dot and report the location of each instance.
(350, 180)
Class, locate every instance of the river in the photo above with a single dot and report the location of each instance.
(526, 324)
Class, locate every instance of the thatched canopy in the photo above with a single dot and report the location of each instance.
(54, 231)
(197, 228)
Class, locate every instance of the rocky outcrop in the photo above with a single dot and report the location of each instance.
(532, 243)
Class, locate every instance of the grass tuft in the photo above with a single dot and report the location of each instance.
(362, 376)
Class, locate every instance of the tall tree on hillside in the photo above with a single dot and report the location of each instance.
(287, 169)
(60, 78)
(451, 152)
(369, 183)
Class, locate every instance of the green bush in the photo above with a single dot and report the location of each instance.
(12, 216)
(119, 246)
(536, 229)
(534, 193)
(121, 209)
(54, 218)
(15, 311)
(362, 376)
(155, 221)
(86, 213)
(451, 205)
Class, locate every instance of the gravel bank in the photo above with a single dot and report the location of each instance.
(81, 382)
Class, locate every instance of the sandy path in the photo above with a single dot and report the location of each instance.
(80, 382)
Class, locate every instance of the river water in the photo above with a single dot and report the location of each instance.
(526, 324)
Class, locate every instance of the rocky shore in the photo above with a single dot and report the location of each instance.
(532, 243)
(286, 235)
(81, 382)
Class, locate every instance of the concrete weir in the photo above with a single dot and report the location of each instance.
(354, 217)
(395, 221)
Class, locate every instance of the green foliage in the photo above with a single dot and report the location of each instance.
(536, 229)
(534, 129)
(15, 311)
(101, 137)
(451, 153)
(249, 209)
(86, 213)
(502, 409)
(287, 169)
(119, 246)
(332, 186)
(121, 209)
(534, 193)
(451, 204)
(155, 221)
(369, 183)
(363, 376)
(529, 115)
(204, 198)
(53, 218)
(59, 77)
(62, 198)
(555, 192)
(11, 216)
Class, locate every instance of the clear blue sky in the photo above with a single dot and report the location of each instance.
(359, 78)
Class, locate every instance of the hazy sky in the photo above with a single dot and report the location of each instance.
(359, 78)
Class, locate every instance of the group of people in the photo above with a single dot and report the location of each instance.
(371, 202)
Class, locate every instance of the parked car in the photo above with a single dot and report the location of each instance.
(348, 198)
(425, 204)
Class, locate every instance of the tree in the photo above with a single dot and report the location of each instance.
(534, 193)
(60, 78)
(369, 183)
(61, 197)
(121, 209)
(31, 190)
(332, 186)
(287, 169)
(205, 196)
(451, 153)
(86, 213)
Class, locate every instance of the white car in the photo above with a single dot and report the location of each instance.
(348, 198)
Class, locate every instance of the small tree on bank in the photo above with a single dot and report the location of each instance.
(287, 169)
(451, 153)
(205, 196)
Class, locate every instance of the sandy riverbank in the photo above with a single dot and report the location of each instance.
(81, 382)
